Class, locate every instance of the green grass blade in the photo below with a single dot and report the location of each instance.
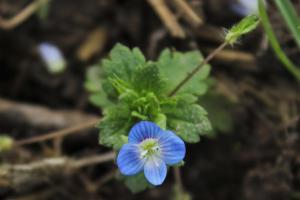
(290, 16)
(274, 42)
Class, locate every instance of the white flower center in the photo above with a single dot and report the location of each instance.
(149, 147)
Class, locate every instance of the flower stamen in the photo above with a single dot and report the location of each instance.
(149, 147)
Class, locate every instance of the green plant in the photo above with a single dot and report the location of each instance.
(289, 14)
(130, 89)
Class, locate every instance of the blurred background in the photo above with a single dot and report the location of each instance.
(46, 50)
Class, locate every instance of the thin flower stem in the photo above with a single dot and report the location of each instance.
(57, 134)
(178, 180)
(204, 62)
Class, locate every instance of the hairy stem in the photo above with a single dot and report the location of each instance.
(204, 62)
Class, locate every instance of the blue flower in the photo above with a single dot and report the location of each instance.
(245, 7)
(52, 57)
(150, 149)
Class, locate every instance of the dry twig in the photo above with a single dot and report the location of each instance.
(167, 18)
(39, 116)
(187, 12)
(58, 134)
(19, 176)
(8, 24)
(242, 59)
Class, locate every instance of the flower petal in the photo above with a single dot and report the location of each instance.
(155, 170)
(143, 130)
(172, 147)
(129, 161)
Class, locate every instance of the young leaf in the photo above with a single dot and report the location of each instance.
(175, 66)
(161, 120)
(123, 62)
(245, 26)
(148, 79)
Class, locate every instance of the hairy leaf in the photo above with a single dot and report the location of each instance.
(245, 26)
(122, 63)
(175, 66)
(189, 121)
(147, 78)
(115, 126)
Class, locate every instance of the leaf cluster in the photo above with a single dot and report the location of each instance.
(130, 89)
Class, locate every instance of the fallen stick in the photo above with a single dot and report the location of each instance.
(210, 33)
(58, 134)
(24, 176)
(41, 117)
(244, 60)
(8, 24)
(187, 12)
(167, 18)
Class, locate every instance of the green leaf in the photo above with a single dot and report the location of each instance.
(100, 100)
(145, 107)
(245, 26)
(189, 121)
(175, 66)
(122, 64)
(187, 98)
(147, 79)
(93, 86)
(287, 63)
(93, 79)
(138, 91)
(136, 183)
(161, 120)
(115, 126)
(291, 18)
(218, 108)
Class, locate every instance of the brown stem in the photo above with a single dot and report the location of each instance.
(204, 62)
(57, 134)
(177, 176)
(21, 16)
